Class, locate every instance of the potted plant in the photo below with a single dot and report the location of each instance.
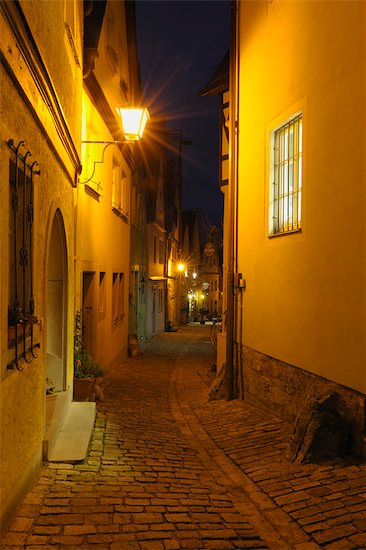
(86, 370)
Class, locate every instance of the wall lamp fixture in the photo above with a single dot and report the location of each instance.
(133, 121)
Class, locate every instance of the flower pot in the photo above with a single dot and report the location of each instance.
(84, 389)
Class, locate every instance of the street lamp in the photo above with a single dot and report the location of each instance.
(133, 121)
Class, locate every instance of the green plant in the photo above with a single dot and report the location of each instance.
(84, 365)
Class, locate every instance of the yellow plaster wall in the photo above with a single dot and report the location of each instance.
(102, 237)
(48, 26)
(105, 70)
(305, 300)
(22, 394)
(21, 430)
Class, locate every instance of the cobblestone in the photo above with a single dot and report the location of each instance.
(169, 470)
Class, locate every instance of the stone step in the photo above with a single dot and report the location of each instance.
(74, 437)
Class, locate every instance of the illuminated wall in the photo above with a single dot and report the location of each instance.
(103, 244)
(103, 198)
(305, 299)
(45, 113)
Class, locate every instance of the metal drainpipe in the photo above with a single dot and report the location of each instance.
(232, 198)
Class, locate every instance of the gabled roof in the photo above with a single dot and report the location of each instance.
(219, 81)
(191, 218)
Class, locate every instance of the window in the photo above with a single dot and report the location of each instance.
(70, 14)
(286, 177)
(102, 295)
(20, 245)
(160, 300)
(111, 43)
(119, 190)
(161, 251)
(21, 305)
(70, 26)
(121, 297)
(110, 31)
(118, 299)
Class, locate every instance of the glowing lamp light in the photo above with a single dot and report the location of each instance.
(133, 121)
(180, 267)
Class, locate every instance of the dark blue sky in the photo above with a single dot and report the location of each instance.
(180, 44)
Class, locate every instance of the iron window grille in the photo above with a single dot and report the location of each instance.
(286, 175)
(21, 309)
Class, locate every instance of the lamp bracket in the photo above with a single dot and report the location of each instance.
(106, 143)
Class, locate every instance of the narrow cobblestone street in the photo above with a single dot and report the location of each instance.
(167, 469)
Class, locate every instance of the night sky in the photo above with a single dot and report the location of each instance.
(180, 44)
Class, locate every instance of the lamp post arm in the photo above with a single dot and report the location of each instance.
(116, 142)
(107, 143)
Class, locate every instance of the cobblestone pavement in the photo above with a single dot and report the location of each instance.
(169, 470)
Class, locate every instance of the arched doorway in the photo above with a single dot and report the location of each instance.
(56, 305)
(58, 401)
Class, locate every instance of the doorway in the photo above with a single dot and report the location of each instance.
(57, 401)
(56, 305)
(88, 313)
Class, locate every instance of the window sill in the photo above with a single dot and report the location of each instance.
(92, 192)
(291, 232)
(120, 213)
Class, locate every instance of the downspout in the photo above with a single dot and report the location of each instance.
(232, 201)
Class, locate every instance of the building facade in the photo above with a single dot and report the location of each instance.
(68, 205)
(297, 131)
(103, 211)
(40, 104)
(156, 232)
(138, 255)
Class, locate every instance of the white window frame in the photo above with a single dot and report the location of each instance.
(119, 190)
(286, 176)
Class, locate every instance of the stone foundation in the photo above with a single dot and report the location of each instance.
(283, 389)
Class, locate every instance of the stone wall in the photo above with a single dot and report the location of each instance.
(283, 389)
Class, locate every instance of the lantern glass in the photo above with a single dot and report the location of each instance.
(133, 122)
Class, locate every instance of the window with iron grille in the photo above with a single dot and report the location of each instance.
(21, 305)
(286, 178)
